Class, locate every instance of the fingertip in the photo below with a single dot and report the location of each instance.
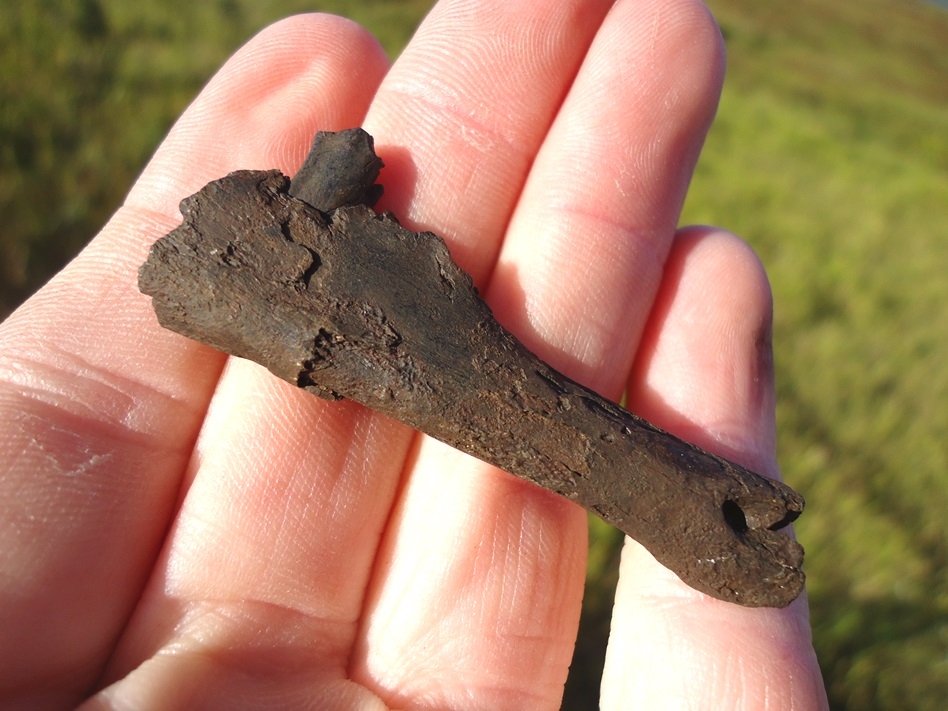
(330, 67)
(705, 365)
(261, 109)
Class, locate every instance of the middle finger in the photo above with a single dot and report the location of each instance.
(492, 599)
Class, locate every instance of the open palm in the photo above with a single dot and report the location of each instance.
(183, 530)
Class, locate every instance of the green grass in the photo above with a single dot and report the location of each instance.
(830, 156)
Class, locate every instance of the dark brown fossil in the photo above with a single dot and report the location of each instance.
(305, 278)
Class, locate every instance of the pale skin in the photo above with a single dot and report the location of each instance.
(179, 530)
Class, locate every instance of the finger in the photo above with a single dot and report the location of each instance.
(462, 113)
(505, 572)
(100, 408)
(705, 373)
(584, 252)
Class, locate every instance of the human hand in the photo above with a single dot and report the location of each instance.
(179, 530)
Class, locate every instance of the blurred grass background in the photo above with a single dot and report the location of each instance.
(829, 155)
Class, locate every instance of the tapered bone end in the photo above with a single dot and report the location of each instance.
(767, 564)
(750, 559)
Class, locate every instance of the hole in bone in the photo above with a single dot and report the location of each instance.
(734, 515)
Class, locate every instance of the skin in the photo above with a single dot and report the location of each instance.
(180, 530)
